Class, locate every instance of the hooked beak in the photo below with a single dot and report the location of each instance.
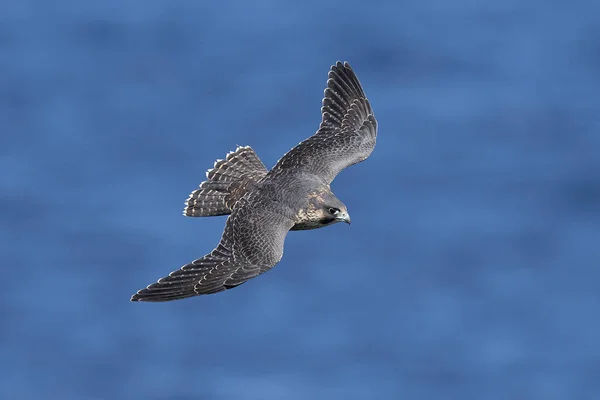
(345, 217)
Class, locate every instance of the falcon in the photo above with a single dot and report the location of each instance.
(264, 205)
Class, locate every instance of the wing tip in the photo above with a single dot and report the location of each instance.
(342, 78)
(141, 297)
(136, 297)
(342, 64)
(343, 67)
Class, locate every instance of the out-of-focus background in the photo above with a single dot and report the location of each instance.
(471, 269)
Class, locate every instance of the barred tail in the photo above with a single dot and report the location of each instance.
(227, 182)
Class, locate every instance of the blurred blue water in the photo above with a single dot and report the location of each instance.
(470, 270)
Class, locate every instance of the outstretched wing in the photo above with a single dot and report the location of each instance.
(252, 243)
(346, 135)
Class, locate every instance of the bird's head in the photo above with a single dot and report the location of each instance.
(322, 209)
(330, 209)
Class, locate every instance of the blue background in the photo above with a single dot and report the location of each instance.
(471, 269)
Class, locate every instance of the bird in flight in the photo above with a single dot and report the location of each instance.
(264, 205)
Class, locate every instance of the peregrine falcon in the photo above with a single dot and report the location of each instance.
(264, 205)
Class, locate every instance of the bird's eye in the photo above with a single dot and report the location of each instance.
(333, 210)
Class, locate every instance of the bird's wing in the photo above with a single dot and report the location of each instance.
(252, 243)
(346, 135)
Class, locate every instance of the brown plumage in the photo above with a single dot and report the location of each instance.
(265, 205)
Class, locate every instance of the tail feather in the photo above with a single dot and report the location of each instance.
(226, 183)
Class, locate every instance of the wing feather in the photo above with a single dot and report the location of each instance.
(252, 243)
(346, 135)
